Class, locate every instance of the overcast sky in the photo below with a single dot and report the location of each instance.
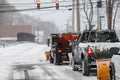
(59, 17)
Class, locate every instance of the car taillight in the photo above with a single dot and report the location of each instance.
(89, 52)
(59, 51)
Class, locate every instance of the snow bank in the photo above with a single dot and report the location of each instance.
(22, 53)
(25, 53)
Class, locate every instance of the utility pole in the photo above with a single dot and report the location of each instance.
(99, 5)
(78, 16)
(109, 13)
(73, 10)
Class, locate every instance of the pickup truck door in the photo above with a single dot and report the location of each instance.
(76, 49)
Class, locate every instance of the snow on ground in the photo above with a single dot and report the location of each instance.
(28, 53)
(24, 53)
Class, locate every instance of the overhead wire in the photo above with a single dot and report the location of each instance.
(34, 3)
(29, 9)
(27, 4)
(41, 8)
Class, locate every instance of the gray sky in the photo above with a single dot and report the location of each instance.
(59, 17)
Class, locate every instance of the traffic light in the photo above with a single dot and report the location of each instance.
(99, 4)
(57, 4)
(38, 4)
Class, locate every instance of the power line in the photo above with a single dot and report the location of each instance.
(30, 9)
(21, 4)
(26, 4)
(48, 7)
(18, 10)
(34, 3)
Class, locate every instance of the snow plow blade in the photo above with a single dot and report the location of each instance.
(47, 54)
(103, 69)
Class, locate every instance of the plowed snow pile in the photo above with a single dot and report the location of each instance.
(24, 53)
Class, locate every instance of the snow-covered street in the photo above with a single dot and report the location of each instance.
(24, 53)
(26, 61)
(46, 71)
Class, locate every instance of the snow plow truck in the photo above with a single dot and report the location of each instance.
(60, 45)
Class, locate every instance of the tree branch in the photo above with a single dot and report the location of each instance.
(115, 15)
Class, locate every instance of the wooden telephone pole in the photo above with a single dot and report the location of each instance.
(109, 13)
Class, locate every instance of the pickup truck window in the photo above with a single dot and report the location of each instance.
(107, 37)
(98, 36)
(88, 37)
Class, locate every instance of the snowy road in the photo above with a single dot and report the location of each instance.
(46, 71)
(26, 61)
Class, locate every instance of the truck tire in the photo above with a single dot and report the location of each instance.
(51, 60)
(74, 68)
(55, 59)
(112, 71)
(85, 67)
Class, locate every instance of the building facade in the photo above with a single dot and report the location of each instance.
(8, 33)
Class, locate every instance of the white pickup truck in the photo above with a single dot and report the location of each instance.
(93, 45)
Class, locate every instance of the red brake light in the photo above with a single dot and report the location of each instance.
(57, 2)
(59, 51)
(38, 2)
(89, 52)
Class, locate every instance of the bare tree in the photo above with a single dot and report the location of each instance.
(88, 12)
(115, 14)
(109, 10)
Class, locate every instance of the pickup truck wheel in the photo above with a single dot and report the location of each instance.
(74, 68)
(112, 71)
(85, 67)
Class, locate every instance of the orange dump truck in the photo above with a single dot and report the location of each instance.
(60, 46)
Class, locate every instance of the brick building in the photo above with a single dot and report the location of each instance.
(9, 33)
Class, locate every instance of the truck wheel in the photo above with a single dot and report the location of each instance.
(74, 68)
(51, 59)
(55, 59)
(85, 67)
(112, 71)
